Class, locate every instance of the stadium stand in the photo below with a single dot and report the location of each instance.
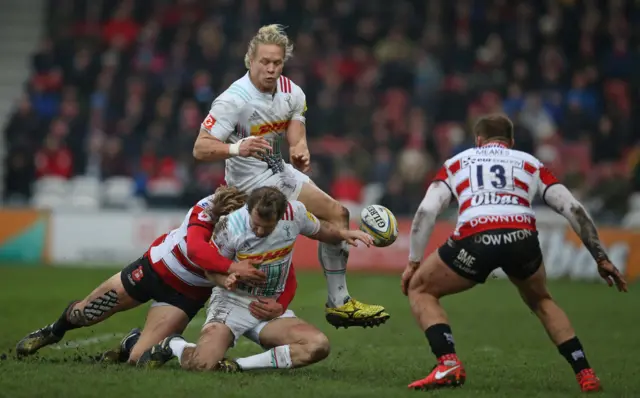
(118, 89)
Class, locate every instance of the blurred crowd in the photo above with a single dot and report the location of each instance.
(119, 88)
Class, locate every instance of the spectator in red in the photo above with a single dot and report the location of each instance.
(121, 26)
(347, 186)
(54, 159)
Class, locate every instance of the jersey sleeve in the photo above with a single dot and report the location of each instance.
(544, 178)
(199, 249)
(224, 240)
(307, 223)
(223, 115)
(299, 105)
(443, 176)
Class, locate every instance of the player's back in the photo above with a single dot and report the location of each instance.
(243, 111)
(494, 186)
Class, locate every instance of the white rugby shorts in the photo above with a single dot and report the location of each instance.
(289, 182)
(232, 309)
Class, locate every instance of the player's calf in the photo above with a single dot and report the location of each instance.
(109, 298)
(536, 296)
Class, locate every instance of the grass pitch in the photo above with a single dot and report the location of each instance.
(505, 350)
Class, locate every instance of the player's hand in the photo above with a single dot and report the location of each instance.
(612, 275)
(255, 147)
(266, 309)
(300, 158)
(352, 236)
(246, 271)
(230, 282)
(407, 274)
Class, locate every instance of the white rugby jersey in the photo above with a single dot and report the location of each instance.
(494, 186)
(236, 241)
(168, 255)
(242, 111)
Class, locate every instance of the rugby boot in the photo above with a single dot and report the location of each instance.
(356, 313)
(121, 353)
(157, 355)
(34, 341)
(449, 372)
(228, 366)
(588, 381)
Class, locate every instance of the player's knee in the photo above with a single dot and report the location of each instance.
(339, 214)
(536, 300)
(317, 347)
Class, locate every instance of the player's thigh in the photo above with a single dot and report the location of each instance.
(162, 321)
(533, 289)
(105, 300)
(321, 204)
(292, 330)
(436, 278)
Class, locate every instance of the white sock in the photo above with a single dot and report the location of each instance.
(178, 345)
(278, 357)
(333, 259)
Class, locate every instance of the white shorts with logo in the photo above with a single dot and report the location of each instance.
(289, 181)
(232, 310)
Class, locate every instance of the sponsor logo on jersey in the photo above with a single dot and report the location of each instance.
(209, 122)
(507, 237)
(493, 198)
(267, 257)
(273, 127)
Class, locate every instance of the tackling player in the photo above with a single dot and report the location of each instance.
(265, 230)
(245, 127)
(494, 186)
(171, 273)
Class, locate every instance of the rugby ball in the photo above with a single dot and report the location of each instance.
(380, 223)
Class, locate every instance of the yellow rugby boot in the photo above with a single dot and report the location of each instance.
(356, 313)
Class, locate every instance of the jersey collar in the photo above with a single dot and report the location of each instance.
(268, 96)
(495, 145)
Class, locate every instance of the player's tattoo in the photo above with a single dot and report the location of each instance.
(589, 234)
(95, 309)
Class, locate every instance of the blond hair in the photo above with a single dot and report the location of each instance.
(269, 34)
(225, 200)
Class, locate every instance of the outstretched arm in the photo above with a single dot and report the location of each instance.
(560, 199)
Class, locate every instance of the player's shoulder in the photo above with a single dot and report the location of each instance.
(288, 86)
(297, 210)
(238, 93)
(205, 202)
(526, 157)
(237, 222)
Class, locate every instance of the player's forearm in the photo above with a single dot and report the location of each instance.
(210, 149)
(201, 252)
(329, 233)
(289, 289)
(435, 200)
(559, 198)
(297, 134)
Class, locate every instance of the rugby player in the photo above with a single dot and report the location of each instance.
(266, 230)
(496, 228)
(245, 127)
(171, 273)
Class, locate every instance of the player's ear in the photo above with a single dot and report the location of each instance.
(513, 143)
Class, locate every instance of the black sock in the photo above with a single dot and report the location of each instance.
(62, 325)
(572, 351)
(440, 339)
